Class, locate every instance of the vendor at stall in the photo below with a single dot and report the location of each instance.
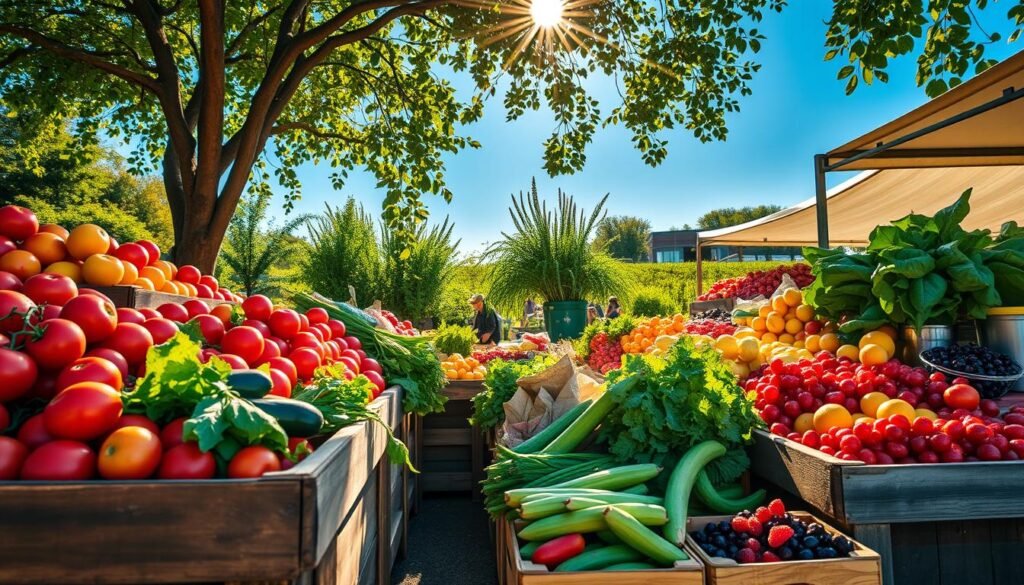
(486, 323)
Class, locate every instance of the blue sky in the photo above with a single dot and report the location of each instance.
(797, 108)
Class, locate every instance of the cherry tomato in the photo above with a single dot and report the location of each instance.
(129, 453)
(12, 455)
(60, 461)
(257, 307)
(161, 329)
(131, 252)
(211, 327)
(13, 305)
(174, 312)
(284, 323)
(130, 340)
(282, 385)
(317, 315)
(18, 373)
(245, 342)
(97, 317)
(252, 462)
(8, 281)
(33, 432)
(90, 369)
(287, 366)
(52, 289)
(306, 362)
(186, 461)
(173, 433)
(111, 356)
(59, 343)
(137, 420)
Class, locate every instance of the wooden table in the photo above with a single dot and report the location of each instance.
(450, 451)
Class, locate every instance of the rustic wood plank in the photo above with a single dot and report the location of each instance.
(802, 471)
(964, 555)
(447, 437)
(477, 462)
(383, 522)
(879, 538)
(447, 453)
(461, 390)
(453, 481)
(418, 425)
(1006, 546)
(915, 553)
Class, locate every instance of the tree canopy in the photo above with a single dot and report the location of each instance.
(624, 237)
(729, 216)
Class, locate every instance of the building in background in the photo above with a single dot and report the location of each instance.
(681, 246)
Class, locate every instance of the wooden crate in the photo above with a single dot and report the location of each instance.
(862, 567)
(724, 304)
(452, 451)
(513, 570)
(133, 297)
(299, 524)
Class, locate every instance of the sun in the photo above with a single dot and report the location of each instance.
(546, 13)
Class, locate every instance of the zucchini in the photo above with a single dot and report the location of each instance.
(250, 383)
(719, 502)
(514, 498)
(680, 483)
(298, 419)
(639, 489)
(607, 537)
(616, 478)
(526, 551)
(641, 538)
(587, 521)
(549, 433)
(542, 508)
(600, 558)
(581, 502)
(580, 429)
(732, 491)
(636, 566)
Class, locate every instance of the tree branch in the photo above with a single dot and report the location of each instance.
(17, 54)
(250, 26)
(284, 127)
(211, 89)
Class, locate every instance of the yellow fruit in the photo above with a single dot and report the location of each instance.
(748, 349)
(779, 305)
(787, 339)
(881, 339)
(804, 422)
(745, 332)
(860, 416)
(793, 297)
(775, 323)
(889, 330)
(727, 346)
(794, 326)
(72, 270)
(739, 369)
(768, 337)
(451, 374)
(830, 342)
(805, 313)
(925, 413)
(873, 355)
(813, 343)
(870, 402)
(791, 315)
(102, 270)
(832, 415)
(848, 351)
(759, 324)
(896, 406)
(764, 309)
(799, 344)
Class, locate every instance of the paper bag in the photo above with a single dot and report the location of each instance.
(541, 399)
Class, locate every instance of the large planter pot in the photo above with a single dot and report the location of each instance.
(565, 319)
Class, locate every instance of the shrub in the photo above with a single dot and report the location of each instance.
(415, 272)
(451, 339)
(344, 253)
(650, 302)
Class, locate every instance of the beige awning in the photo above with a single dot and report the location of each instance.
(995, 137)
(878, 197)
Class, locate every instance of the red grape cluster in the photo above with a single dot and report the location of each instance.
(500, 354)
(709, 327)
(605, 354)
(760, 282)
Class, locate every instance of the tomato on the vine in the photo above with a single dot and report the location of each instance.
(129, 453)
(13, 306)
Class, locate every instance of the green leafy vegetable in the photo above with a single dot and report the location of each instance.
(228, 417)
(500, 384)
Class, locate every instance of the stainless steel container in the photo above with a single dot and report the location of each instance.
(930, 336)
(1003, 331)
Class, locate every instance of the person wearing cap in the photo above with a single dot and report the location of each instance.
(613, 308)
(486, 324)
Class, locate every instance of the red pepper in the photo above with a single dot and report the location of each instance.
(556, 551)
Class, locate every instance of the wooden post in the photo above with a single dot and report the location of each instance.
(821, 199)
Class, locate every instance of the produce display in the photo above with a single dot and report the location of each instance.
(87, 254)
(457, 367)
(600, 345)
(450, 339)
(991, 372)
(759, 283)
(500, 385)
(400, 327)
(647, 333)
(486, 356)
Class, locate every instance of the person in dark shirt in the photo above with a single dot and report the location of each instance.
(613, 308)
(485, 322)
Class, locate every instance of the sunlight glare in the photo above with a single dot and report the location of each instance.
(546, 13)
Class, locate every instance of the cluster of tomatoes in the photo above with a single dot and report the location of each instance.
(605, 354)
(758, 283)
(88, 254)
(711, 327)
(401, 327)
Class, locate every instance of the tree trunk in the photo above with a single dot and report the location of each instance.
(198, 245)
(197, 236)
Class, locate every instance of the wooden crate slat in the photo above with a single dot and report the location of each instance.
(800, 470)
(447, 437)
(917, 548)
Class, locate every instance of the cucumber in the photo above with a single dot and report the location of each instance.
(641, 538)
(526, 551)
(548, 434)
(599, 558)
(719, 502)
(639, 489)
(587, 521)
(298, 419)
(581, 502)
(637, 566)
(250, 383)
(542, 508)
(580, 429)
(514, 498)
(616, 478)
(680, 483)
(732, 491)
(607, 537)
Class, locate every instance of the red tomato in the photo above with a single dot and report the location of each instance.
(189, 274)
(97, 317)
(111, 356)
(33, 432)
(7, 245)
(253, 461)
(209, 281)
(12, 455)
(245, 342)
(133, 253)
(90, 369)
(281, 344)
(52, 289)
(353, 343)
(257, 307)
(259, 326)
(5, 418)
(83, 411)
(45, 386)
(196, 307)
(137, 420)
(371, 365)
(282, 385)
(377, 381)
(160, 329)
(306, 362)
(152, 250)
(338, 330)
(126, 315)
(11, 301)
(299, 448)
(18, 373)
(174, 312)
(307, 339)
(204, 292)
(50, 312)
(8, 281)
(333, 348)
(342, 344)
(173, 433)
(961, 396)
(17, 223)
(287, 366)
(151, 313)
(132, 341)
(284, 323)
(303, 322)
(317, 315)
(129, 453)
(211, 327)
(234, 361)
(270, 350)
(60, 461)
(92, 291)
(186, 461)
(349, 363)
(59, 343)
(362, 356)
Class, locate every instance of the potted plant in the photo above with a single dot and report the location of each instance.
(550, 255)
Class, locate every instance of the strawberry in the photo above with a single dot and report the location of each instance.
(740, 524)
(770, 557)
(745, 555)
(778, 535)
(777, 508)
(754, 526)
(763, 514)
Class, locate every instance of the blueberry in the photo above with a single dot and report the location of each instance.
(785, 553)
(719, 541)
(805, 554)
(708, 548)
(811, 541)
(724, 526)
(699, 537)
(793, 543)
(733, 549)
(710, 528)
(720, 554)
(843, 545)
(827, 552)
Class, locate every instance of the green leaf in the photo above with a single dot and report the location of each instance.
(925, 294)
(208, 422)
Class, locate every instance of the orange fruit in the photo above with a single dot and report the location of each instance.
(167, 268)
(813, 343)
(896, 406)
(787, 339)
(759, 324)
(47, 247)
(805, 313)
(52, 228)
(832, 415)
(68, 268)
(131, 273)
(830, 342)
(769, 337)
(888, 330)
(870, 402)
(881, 339)
(102, 270)
(794, 326)
(804, 422)
(764, 310)
(779, 305)
(144, 283)
(155, 275)
(775, 323)
(169, 287)
(86, 240)
(20, 263)
(873, 355)
(793, 297)
(191, 288)
(848, 351)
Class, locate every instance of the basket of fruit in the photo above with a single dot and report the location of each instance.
(990, 372)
